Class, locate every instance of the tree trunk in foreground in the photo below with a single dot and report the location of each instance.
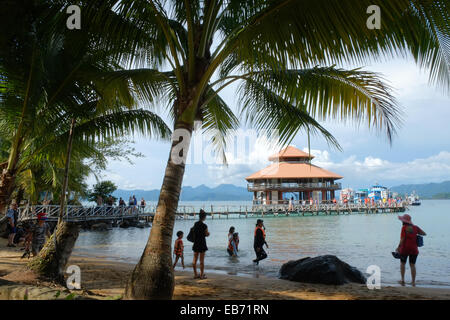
(51, 261)
(153, 277)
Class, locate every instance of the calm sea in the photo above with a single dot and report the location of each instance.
(360, 240)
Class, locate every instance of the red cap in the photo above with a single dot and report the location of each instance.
(42, 216)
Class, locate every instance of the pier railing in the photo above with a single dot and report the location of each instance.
(76, 213)
(293, 186)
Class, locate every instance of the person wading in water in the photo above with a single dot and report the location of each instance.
(259, 241)
(407, 247)
(199, 247)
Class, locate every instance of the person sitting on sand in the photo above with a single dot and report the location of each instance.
(259, 241)
(39, 231)
(199, 247)
(178, 249)
(233, 245)
(407, 247)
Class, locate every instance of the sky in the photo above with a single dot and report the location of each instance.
(419, 153)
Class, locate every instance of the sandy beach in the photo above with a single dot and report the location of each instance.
(103, 279)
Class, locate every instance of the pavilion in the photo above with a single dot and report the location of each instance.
(292, 175)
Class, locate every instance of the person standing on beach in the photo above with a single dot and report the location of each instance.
(199, 247)
(39, 231)
(12, 215)
(407, 247)
(259, 241)
(291, 204)
(178, 249)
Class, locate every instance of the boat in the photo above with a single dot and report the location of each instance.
(414, 199)
(361, 195)
(378, 192)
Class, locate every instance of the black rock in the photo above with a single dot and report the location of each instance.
(124, 224)
(326, 269)
(100, 227)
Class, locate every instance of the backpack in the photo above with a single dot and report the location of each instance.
(190, 237)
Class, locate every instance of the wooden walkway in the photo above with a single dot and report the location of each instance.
(82, 213)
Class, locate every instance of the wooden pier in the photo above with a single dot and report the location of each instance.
(83, 213)
(260, 211)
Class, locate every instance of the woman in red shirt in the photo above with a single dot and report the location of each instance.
(408, 247)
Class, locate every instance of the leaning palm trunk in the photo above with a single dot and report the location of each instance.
(52, 259)
(8, 178)
(153, 277)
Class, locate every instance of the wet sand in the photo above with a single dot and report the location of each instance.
(104, 279)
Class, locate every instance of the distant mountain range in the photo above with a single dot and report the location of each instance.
(229, 192)
(223, 192)
(426, 190)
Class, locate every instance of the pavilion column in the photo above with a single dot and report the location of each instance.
(324, 195)
(280, 196)
(332, 194)
(267, 197)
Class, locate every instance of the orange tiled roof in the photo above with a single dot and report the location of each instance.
(292, 170)
(290, 152)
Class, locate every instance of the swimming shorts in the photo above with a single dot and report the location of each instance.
(412, 258)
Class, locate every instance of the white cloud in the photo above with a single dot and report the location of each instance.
(435, 168)
(356, 172)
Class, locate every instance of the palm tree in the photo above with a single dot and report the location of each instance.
(283, 55)
(58, 87)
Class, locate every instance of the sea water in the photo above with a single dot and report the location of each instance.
(360, 240)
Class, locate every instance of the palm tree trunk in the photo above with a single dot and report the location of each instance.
(153, 276)
(7, 180)
(8, 176)
(66, 172)
(52, 259)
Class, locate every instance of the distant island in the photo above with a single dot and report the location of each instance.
(230, 192)
(223, 192)
(426, 190)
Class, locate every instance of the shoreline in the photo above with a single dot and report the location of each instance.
(237, 274)
(105, 279)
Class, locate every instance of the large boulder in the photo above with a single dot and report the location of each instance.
(326, 269)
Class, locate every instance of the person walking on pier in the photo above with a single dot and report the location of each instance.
(407, 247)
(259, 241)
(291, 204)
(200, 232)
